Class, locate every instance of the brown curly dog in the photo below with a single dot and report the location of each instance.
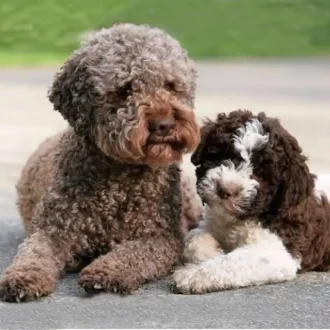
(107, 189)
(264, 221)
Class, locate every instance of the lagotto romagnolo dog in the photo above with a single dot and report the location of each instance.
(264, 221)
(107, 189)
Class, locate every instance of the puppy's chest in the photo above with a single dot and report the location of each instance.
(234, 233)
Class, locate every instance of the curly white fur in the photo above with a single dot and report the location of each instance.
(254, 256)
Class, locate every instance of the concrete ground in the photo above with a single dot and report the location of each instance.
(298, 92)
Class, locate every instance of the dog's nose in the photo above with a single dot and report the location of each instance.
(162, 126)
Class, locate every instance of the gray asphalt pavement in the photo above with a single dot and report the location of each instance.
(296, 91)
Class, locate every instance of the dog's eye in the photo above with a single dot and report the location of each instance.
(125, 90)
(170, 86)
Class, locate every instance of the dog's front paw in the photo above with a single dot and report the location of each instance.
(25, 283)
(95, 280)
(188, 280)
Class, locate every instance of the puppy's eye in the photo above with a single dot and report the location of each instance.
(213, 150)
(170, 86)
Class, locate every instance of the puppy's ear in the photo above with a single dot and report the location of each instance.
(296, 181)
(197, 156)
(73, 93)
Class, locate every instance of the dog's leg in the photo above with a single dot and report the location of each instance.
(192, 207)
(265, 262)
(34, 270)
(131, 264)
(200, 245)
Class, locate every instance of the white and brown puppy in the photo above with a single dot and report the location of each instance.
(264, 221)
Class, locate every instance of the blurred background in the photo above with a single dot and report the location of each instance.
(43, 32)
(262, 55)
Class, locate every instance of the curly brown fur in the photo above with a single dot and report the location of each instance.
(108, 188)
(264, 219)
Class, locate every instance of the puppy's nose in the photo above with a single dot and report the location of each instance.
(162, 126)
(224, 194)
(228, 192)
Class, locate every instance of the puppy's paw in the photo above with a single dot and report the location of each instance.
(95, 280)
(188, 280)
(20, 284)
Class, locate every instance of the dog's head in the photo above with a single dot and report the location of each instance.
(131, 89)
(250, 166)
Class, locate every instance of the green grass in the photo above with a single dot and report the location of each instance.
(41, 32)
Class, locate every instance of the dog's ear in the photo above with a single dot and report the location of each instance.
(296, 181)
(73, 93)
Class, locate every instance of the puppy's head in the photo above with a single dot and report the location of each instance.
(131, 89)
(250, 166)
